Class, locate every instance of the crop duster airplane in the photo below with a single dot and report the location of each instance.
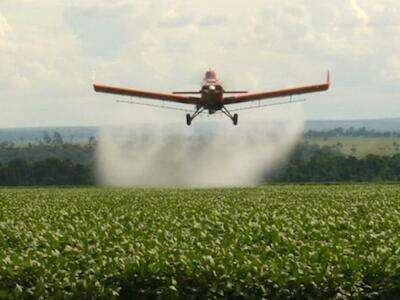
(212, 96)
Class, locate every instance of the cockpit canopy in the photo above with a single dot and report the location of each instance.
(211, 75)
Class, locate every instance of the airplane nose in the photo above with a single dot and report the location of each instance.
(212, 87)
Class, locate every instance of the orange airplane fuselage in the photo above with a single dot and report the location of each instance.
(212, 93)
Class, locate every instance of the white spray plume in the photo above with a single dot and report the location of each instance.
(208, 154)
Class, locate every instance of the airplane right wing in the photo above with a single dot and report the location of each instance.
(279, 93)
(145, 94)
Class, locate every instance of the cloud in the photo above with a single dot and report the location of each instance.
(48, 51)
(391, 70)
(358, 11)
(212, 20)
(103, 31)
(172, 20)
(4, 26)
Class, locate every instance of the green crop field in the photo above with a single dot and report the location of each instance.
(273, 242)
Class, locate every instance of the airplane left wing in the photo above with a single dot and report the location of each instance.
(145, 94)
(279, 93)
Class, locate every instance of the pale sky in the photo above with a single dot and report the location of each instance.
(49, 48)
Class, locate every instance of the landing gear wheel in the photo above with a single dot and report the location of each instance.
(235, 119)
(190, 118)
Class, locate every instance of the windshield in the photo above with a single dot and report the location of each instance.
(211, 75)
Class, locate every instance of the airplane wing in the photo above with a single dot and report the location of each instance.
(278, 93)
(145, 94)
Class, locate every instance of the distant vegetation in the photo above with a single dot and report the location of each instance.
(54, 161)
(351, 132)
(312, 163)
(389, 124)
(35, 135)
(50, 161)
(49, 147)
(359, 146)
(357, 142)
(50, 171)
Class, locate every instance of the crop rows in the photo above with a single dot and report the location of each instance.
(279, 242)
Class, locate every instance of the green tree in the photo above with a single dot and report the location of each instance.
(46, 138)
(57, 139)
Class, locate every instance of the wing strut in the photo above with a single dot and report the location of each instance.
(154, 105)
(269, 104)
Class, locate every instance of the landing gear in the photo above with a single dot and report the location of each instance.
(199, 110)
(234, 118)
(189, 118)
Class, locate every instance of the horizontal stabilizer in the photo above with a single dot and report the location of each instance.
(235, 92)
(185, 93)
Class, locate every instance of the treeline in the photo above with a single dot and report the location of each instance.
(50, 146)
(311, 163)
(51, 171)
(350, 132)
(52, 161)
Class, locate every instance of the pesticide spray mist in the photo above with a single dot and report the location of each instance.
(211, 153)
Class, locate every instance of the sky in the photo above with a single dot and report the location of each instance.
(49, 49)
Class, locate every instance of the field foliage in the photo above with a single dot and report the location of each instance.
(276, 242)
